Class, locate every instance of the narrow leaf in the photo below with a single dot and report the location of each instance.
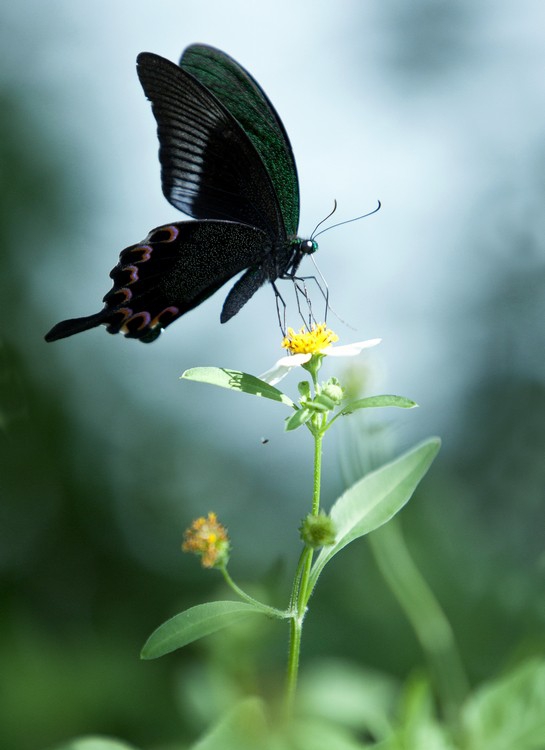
(193, 624)
(297, 419)
(374, 401)
(374, 499)
(236, 381)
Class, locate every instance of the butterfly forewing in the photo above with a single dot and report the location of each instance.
(244, 98)
(210, 168)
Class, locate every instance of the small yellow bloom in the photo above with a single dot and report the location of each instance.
(207, 538)
(309, 342)
(304, 345)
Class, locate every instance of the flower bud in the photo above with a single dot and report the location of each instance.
(318, 531)
(333, 390)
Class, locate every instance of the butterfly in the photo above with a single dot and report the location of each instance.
(226, 161)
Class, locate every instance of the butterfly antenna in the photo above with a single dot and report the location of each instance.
(319, 224)
(348, 221)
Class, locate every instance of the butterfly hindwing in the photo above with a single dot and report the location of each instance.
(172, 271)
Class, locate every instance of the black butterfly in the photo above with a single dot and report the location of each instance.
(226, 161)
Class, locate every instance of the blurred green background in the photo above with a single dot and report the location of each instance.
(435, 108)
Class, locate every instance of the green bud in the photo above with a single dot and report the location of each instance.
(318, 531)
(333, 390)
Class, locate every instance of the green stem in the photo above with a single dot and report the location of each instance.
(296, 632)
(300, 591)
(430, 624)
(271, 611)
(318, 438)
(297, 582)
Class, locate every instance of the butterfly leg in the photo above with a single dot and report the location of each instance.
(324, 291)
(322, 287)
(280, 308)
(300, 289)
(300, 286)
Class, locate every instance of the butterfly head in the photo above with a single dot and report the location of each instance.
(307, 247)
(300, 248)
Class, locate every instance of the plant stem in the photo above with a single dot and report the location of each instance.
(296, 631)
(318, 438)
(265, 608)
(300, 590)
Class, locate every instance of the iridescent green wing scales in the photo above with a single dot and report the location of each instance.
(242, 96)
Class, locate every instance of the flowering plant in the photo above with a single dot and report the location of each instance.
(365, 506)
(341, 706)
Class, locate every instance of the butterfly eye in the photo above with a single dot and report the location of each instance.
(309, 246)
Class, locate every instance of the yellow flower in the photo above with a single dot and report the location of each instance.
(309, 342)
(207, 538)
(305, 344)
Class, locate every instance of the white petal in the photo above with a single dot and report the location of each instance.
(350, 350)
(281, 368)
(294, 360)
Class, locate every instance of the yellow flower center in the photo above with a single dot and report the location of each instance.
(309, 342)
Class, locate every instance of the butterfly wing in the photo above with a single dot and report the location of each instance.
(225, 160)
(244, 98)
(172, 271)
(210, 168)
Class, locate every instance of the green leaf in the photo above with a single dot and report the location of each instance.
(508, 713)
(417, 725)
(246, 727)
(320, 734)
(243, 728)
(374, 499)
(93, 743)
(322, 402)
(304, 388)
(374, 401)
(236, 381)
(297, 419)
(193, 624)
(349, 696)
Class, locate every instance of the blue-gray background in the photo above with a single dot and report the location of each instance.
(436, 108)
